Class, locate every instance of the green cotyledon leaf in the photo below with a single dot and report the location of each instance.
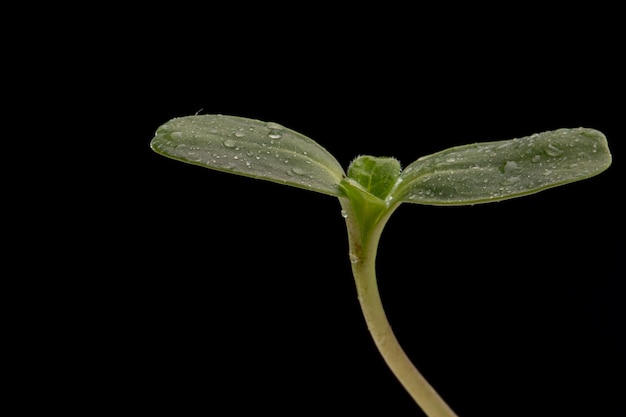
(252, 148)
(494, 171)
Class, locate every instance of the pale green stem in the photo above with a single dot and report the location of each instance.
(363, 258)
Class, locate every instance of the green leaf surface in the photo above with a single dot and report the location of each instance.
(251, 148)
(377, 175)
(494, 171)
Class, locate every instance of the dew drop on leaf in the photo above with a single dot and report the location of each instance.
(229, 143)
(298, 171)
(274, 134)
(552, 150)
(508, 167)
(272, 125)
(511, 180)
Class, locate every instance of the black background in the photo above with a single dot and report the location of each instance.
(209, 292)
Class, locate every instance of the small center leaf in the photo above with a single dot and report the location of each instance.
(376, 175)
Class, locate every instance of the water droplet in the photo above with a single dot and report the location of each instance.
(344, 214)
(536, 158)
(354, 258)
(229, 143)
(272, 125)
(511, 181)
(504, 145)
(239, 134)
(508, 167)
(194, 156)
(176, 135)
(552, 150)
(274, 134)
(298, 171)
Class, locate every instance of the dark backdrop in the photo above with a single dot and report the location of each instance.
(212, 292)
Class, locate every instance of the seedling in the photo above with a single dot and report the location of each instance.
(374, 188)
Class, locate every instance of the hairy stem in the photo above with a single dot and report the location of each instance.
(363, 258)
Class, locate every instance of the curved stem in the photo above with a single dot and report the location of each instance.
(363, 258)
